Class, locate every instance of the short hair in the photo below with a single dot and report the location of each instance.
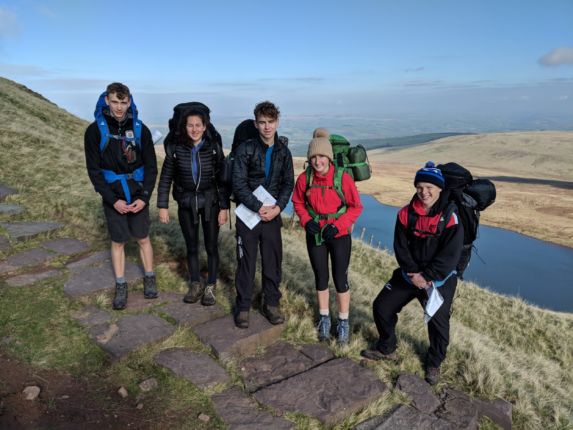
(205, 119)
(268, 109)
(119, 89)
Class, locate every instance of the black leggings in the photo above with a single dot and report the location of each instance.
(190, 231)
(339, 250)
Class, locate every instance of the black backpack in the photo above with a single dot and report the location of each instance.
(468, 197)
(179, 112)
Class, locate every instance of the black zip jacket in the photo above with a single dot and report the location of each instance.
(113, 159)
(249, 173)
(435, 256)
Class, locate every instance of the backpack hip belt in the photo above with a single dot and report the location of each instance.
(137, 175)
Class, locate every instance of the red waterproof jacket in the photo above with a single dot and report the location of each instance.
(327, 201)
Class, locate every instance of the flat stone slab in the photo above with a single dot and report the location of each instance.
(280, 361)
(4, 244)
(419, 391)
(6, 191)
(190, 314)
(239, 412)
(459, 409)
(136, 300)
(91, 280)
(228, 341)
(195, 367)
(22, 230)
(31, 278)
(329, 392)
(32, 257)
(10, 209)
(92, 316)
(130, 333)
(66, 246)
(405, 418)
(499, 411)
(97, 258)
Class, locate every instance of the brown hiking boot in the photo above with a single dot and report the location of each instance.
(242, 319)
(208, 298)
(376, 355)
(194, 292)
(432, 375)
(273, 314)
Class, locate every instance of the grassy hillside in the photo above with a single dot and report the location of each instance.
(500, 347)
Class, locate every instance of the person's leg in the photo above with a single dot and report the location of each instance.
(318, 256)
(118, 228)
(339, 250)
(247, 243)
(210, 237)
(118, 259)
(386, 307)
(271, 248)
(146, 253)
(190, 230)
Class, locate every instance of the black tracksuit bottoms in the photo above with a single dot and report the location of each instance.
(190, 230)
(396, 294)
(267, 237)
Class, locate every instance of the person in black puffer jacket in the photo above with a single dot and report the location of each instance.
(194, 166)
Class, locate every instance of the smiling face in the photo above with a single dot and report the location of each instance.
(320, 164)
(267, 128)
(428, 194)
(195, 128)
(118, 107)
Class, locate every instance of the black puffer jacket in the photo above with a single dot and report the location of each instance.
(249, 173)
(188, 193)
(113, 159)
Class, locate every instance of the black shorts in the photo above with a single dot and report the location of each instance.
(122, 227)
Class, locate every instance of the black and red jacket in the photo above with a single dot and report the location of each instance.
(421, 249)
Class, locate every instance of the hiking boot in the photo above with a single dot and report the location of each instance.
(432, 375)
(194, 292)
(376, 355)
(242, 319)
(273, 314)
(149, 287)
(342, 332)
(120, 298)
(324, 328)
(208, 298)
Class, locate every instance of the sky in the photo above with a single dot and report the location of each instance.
(394, 67)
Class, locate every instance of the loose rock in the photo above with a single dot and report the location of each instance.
(31, 392)
(122, 392)
(148, 385)
(204, 418)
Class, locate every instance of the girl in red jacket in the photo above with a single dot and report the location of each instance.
(327, 214)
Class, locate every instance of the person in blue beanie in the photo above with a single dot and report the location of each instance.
(428, 240)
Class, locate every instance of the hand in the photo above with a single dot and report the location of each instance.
(121, 206)
(223, 216)
(164, 216)
(418, 280)
(136, 206)
(312, 227)
(268, 213)
(329, 232)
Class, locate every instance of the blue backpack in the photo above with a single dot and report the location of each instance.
(109, 175)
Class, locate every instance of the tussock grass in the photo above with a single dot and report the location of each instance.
(500, 346)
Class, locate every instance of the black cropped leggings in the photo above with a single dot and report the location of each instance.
(339, 250)
(190, 231)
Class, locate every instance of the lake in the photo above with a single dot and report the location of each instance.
(510, 263)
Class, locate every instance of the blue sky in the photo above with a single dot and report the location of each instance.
(493, 64)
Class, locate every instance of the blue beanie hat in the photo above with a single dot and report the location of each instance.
(430, 173)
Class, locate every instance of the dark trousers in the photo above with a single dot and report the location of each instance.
(396, 294)
(339, 250)
(267, 237)
(190, 231)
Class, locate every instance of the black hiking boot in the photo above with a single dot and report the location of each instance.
(194, 292)
(120, 299)
(208, 298)
(273, 314)
(149, 287)
(377, 355)
(432, 376)
(242, 319)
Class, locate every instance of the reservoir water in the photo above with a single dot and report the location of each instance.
(539, 272)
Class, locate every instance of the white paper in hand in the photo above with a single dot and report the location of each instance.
(435, 300)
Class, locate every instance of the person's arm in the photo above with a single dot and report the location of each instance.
(287, 181)
(353, 205)
(401, 250)
(222, 189)
(165, 181)
(149, 163)
(299, 200)
(93, 164)
(240, 177)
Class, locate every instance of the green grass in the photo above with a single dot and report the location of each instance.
(500, 347)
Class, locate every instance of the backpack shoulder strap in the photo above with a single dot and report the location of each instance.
(338, 173)
(445, 218)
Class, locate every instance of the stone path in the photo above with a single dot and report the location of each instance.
(277, 376)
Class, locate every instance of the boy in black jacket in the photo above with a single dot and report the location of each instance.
(122, 167)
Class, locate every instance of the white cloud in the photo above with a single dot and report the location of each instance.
(9, 26)
(20, 70)
(558, 57)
